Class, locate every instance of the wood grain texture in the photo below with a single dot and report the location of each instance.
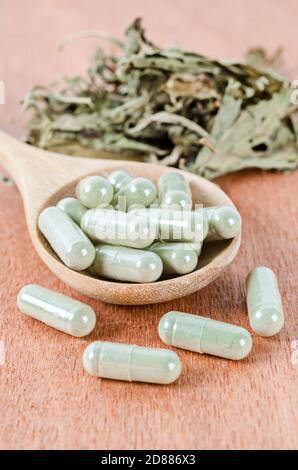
(46, 400)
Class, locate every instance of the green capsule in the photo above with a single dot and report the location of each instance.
(224, 222)
(66, 238)
(119, 228)
(177, 225)
(94, 191)
(140, 191)
(57, 310)
(264, 305)
(119, 179)
(177, 258)
(73, 207)
(174, 191)
(126, 264)
(204, 335)
(197, 247)
(132, 363)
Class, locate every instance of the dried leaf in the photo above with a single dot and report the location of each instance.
(171, 106)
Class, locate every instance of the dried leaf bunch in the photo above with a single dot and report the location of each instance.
(171, 106)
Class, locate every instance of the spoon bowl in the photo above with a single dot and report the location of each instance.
(44, 178)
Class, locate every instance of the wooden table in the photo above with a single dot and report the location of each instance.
(46, 400)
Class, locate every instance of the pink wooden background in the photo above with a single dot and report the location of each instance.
(46, 400)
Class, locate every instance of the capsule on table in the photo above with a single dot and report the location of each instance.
(126, 264)
(177, 225)
(66, 238)
(177, 258)
(204, 335)
(94, 191)
(264, 305)
(139, 191)
(132, 363)
(73, 207)
(57, 310)
(119, 179)
(119, 228)
(174, 191)
(224, 222)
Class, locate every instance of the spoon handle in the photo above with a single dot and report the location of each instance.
(11, 155)
(35, 169)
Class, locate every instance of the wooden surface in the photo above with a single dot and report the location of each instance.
(46, 400)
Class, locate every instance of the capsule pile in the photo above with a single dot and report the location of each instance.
(127, 229)
(130, 230)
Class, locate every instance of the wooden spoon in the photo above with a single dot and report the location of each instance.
(44, 178)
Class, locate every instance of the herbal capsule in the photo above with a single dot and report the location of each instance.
(197, 247)
(56, 310)
(94, 191)
(174, 191)
(177, 258)
(265, 311)
(203, 335)
(224, 222)
(133, 363)
(140, 191)
(119, 179)
(66, 238)
(73, 207)
(177, 225)
(126, 264)
(119, 228)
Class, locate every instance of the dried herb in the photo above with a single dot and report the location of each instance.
(171, 106)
